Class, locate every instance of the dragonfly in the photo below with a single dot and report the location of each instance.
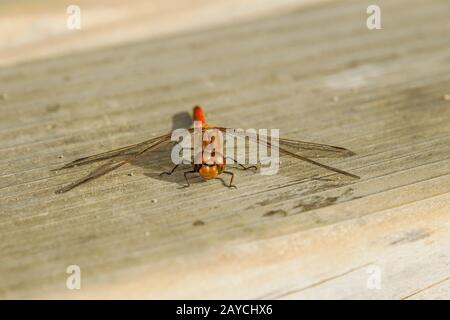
(207, 171)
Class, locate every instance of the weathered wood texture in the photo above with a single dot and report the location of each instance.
(316, 73)
(38, 29)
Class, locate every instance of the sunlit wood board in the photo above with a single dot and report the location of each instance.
(316, 73)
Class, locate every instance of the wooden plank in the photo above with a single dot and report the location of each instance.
(316, 73)
(38, 29)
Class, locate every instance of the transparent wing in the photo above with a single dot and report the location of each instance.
(93, 175)
(124, 151)
(133, 152)
(320, 149)
(315, 150)
(345, 173)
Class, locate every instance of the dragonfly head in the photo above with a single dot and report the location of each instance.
(208, 171)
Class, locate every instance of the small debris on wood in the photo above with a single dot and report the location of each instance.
(154, 200)
(197, 223)
(53, 107)
(272, 213)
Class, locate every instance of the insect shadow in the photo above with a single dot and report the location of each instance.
(158, 161)
(181, 120)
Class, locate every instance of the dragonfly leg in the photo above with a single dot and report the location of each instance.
(231, 185)
(242, 166)
(169, 173)
(185, 177)
(249, 167)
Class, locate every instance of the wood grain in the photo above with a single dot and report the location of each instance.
(38, 29)
(318, 74)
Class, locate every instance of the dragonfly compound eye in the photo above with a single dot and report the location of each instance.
(208, 172)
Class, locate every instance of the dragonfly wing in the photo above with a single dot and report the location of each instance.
(124, 151)
(299, 144)
(93, 175)
(315, 150)
(345, 173)
(308, 149)
(102, 170)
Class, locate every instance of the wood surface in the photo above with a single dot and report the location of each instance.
(316, 73)
(38, 29)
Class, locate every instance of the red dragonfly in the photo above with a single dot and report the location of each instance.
(206, 170)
